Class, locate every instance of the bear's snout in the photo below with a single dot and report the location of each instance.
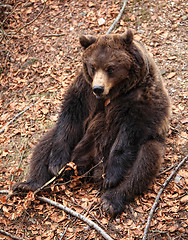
(98, 90)
(101, 85)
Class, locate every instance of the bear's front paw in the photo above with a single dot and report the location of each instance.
(25, 186)
(113, 203)
(111, 180)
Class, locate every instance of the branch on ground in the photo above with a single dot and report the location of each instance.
(75, 214)
(158, 196)
(117, 18)
(10, 235)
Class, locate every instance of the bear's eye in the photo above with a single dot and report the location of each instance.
(110, 70)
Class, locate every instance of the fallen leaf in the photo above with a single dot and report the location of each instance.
(132, 18)
(173, 228)
(91, 4)
(44, 110)
(184, 199)
(183, 173)
(137, 37)
(158, 32)
(172, 57)
(171, 75)
(101, 21)
(184, 120)
(165, 34)
(3, 199)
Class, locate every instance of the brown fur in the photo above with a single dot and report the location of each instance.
(117, 110)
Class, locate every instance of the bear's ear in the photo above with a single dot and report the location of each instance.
(127, 37)
(86, 40)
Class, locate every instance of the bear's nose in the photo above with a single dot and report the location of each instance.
(98, 90)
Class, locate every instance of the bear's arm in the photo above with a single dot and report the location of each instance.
(69, 128)
(135, 131)
(121, 157)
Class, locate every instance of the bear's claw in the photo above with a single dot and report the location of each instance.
(112, 204)
(25, 186)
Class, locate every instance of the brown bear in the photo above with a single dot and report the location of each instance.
(117, 111)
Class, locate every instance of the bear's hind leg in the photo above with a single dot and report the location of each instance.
(141, 174)
(38, 169)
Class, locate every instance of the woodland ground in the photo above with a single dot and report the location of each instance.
(40, 56)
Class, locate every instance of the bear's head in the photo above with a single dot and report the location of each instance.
(112, 61)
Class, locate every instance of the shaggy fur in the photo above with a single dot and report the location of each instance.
(116, 110)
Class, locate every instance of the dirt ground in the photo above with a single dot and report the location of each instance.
(40, 56)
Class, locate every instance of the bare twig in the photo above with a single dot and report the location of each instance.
(54, 35)
(64, 232)
(158, 196)
(4, 191)
(6, 6)
(75, 214)
(10, 235)
(175, 130)
(13, 10)
(168, 169)
(60, 172)
(21, 160)
(18, 115)
(117, 18)
(2, 32)
(50, 181)
(29, 23)
(84, 173)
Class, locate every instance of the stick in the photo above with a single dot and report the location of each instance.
(117, 18)
(168, 169)
(4, 191)
(60, 172)
(29, 23)
(50, 181)
(64, 232)
(19, 114)
(54, 35)
(158, 196)
(10, 235)
(75, 214)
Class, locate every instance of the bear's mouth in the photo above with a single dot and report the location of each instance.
(97, 97)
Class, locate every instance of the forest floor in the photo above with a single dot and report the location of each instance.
(40, 56)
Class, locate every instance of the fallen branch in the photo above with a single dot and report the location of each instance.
(10, 235)
(117, 18)
(64, 232)
(4, 191)
(168, 169)
(18, 115)
(75, 214)
(158, 196)
(54, 35)
(13, 10)
(29, 23)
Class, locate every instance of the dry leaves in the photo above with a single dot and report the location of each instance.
(38, 69)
